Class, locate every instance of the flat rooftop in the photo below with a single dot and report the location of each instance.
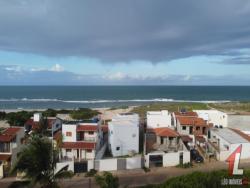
(229, 135)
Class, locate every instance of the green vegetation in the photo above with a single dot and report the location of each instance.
(141, 110)
(146, 169)
(19, 118)
(185, 165)
(236, 107)
(83, 113)
(42, 128)
(91, 173)
(107, 180)
(37, 162)
(199, 179)
(2, 115)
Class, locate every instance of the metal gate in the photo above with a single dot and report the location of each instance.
(80, 167)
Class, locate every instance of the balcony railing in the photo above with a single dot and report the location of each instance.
(87, 139)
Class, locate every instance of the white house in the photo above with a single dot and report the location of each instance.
(223, 142)
(81, 140)
(218, 118)
(158, 119)
(10, 144)
(124, 134)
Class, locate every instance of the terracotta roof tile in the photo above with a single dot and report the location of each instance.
(5, 157)
(192, 121)
(200, 139)
(79, 145)
(86, 128)
(8, 134)
(167, 132)
(34, 125)
(6, 138)
(11, 130)
(105, 128)
(191, 114)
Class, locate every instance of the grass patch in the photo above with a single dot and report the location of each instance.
(236, 107)
(200, 179)
(141, 110)
(185, 165)
(91, 173)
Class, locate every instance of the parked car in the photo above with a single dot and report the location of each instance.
(195, 156)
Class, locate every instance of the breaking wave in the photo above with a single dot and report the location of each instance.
(111, 101)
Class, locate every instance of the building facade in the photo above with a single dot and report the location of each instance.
(217, 118)
(81, 140)
(158, 119)
(124, 134)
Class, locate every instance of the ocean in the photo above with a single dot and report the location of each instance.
(69, 97)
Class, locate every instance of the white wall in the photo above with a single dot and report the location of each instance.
(69, 128)
(126, 137)
(108, 165)
(90, 164)
(169, 159)
(181, 131)
(156, 119)
(133, 163)
(124, 134)
(214, 116)
(60, 165)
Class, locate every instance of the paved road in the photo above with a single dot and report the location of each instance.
(139, 177)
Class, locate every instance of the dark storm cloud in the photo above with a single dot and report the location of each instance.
(114, 30)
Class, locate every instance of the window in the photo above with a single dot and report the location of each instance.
(171, 138)
(68, 150)
(117, 148)
(91, 132)
(162, 140)
(68, 133)
(183, 127)
(197, 128)
(89, 150)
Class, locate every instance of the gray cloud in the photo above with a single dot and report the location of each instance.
(15, 75)
(125, 30)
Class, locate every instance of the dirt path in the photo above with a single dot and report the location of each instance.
(138, 177)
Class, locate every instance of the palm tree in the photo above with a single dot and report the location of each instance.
(36, 161)
(107, 180)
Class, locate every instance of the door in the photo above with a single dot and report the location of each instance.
(181, 158)
(191, 130)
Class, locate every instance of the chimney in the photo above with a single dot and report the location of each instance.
(37, 117)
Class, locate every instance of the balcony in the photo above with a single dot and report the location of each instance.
(5, 148)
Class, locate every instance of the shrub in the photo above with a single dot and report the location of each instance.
(91, 173)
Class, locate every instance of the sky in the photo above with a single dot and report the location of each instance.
(132, 42)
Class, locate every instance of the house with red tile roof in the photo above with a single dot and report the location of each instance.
(81, 141)
(37, 120)
(10, 143)
(192, 125)
(163, 146)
